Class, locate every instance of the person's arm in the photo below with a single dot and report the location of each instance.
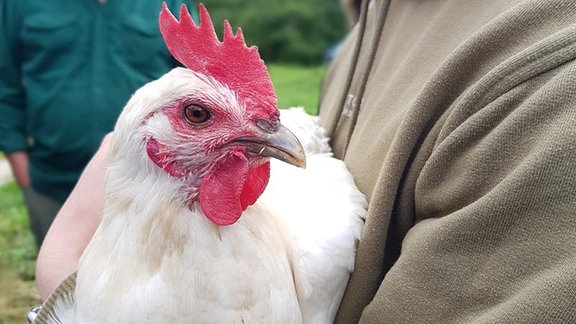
(74, 226)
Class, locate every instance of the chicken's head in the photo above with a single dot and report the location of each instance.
(214, 125)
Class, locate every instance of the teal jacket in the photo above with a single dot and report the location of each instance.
(66, 70)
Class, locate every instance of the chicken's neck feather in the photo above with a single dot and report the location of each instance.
(151, 246)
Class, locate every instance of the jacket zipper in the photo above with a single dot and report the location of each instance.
(351, 101)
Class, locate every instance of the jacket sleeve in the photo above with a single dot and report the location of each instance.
(495, 201)
(12, 97)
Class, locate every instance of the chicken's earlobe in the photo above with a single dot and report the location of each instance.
(162, 158)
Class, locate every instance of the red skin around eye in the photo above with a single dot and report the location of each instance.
(162, 159)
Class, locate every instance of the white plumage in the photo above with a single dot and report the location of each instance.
(323, 212)
(204, 222)
(156, 258)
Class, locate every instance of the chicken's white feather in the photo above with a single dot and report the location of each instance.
(156, 259)
(323, 212)
(307, 128)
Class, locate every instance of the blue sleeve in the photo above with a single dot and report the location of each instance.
(12, 100)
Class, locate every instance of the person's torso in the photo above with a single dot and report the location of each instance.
(81, 61)
(386, 104)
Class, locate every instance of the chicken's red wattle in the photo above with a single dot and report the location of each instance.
(231, 187)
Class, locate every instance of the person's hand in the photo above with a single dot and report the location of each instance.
(19, 165)
(74, 225)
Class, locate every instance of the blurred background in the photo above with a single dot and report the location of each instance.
(286, 31)
(295, 38)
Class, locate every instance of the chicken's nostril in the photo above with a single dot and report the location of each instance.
(267, 126)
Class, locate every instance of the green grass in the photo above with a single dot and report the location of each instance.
(17, 248)
(297, 85)
(16, 241)
(17, 257)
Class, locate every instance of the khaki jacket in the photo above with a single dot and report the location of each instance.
(458, 120)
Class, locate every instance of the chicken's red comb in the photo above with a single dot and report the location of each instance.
(231, 62)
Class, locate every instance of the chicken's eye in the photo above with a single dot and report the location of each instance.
(196, 114)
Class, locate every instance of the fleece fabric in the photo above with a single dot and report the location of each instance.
(457, 119)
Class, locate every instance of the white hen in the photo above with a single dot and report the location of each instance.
(189, 235)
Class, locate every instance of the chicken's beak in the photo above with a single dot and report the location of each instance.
(280, 144)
